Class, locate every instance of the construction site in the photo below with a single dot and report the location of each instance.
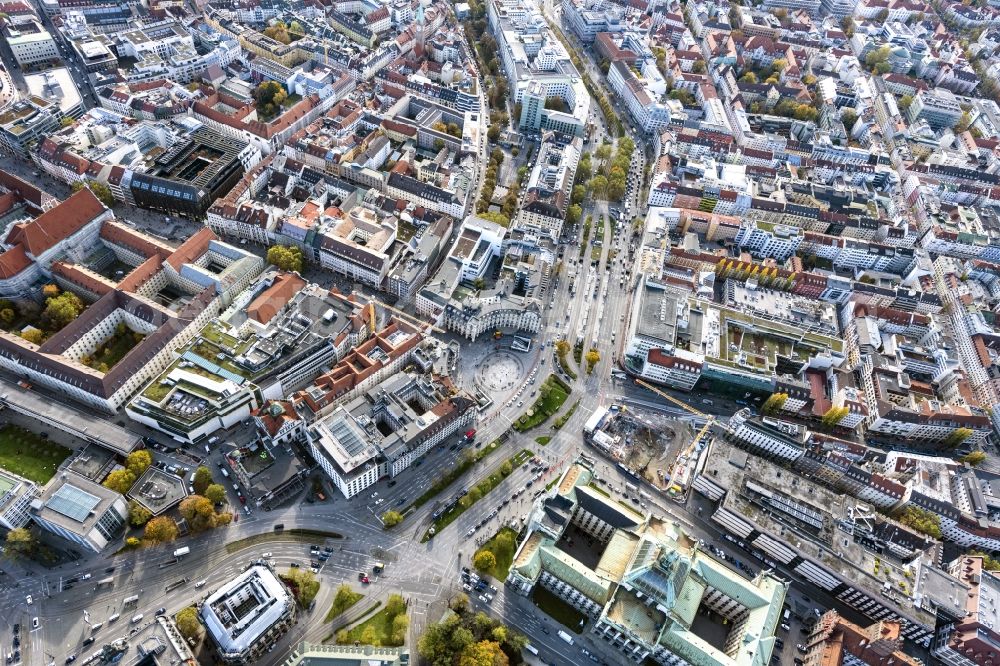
(649, 444)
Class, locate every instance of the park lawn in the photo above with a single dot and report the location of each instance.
(543, 440)
(26, 454)
(553, 394)
(336, 611)
(557, 609)
(381, 622)
(504, 560)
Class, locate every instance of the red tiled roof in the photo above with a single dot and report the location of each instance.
(266, 305)
(57, 223)
(192, 248)
(13, 261)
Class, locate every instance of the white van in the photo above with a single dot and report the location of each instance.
(200, 583)
(113, 618)
(225, 473)
(136, 619)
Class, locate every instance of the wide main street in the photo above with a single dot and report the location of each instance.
(588, 302)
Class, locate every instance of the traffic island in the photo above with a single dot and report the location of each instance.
(551, 396)
(388, 627)
(345, 598)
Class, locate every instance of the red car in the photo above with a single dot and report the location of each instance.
(365, 580)
(243, 500)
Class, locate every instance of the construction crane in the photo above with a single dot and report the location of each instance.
(709, 420)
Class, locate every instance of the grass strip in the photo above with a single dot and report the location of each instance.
(552, 395)
(479, 491)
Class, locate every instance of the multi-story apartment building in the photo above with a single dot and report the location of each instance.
(548, 190)
(246, 616)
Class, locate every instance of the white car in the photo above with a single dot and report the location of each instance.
(27, 599)
(314, 570)
(266, 556)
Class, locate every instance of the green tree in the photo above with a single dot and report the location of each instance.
(391, 519)
(199, 512)
(506, 468)
(120, 480)
(774, 403)
(278, 31)
(484, 560)
(599, 187)
(592, 358)
(698, 67)
(215, 493)
(61, 310)
(202, 479)
(305, 585)
(102, 192)
(573, 214)
(395, 605)
(287, 258)
(483, 653)
(877, 57)
(20, 541)
(496, 218)
(138, 515)
(188, 623)
(848, 117)
(578, 195)
(138, 462)
(904, 103)
(269, 96)
(493, 133)
(7, 316)
(921, 520)
(974, 458)
(956, 437)
(963, 122)
(161, 529)
(33, 335)
(400, 624)
(847, 25)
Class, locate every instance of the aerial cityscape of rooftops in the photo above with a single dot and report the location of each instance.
(497, 332)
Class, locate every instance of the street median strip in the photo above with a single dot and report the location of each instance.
(463, 466)
(294, 534)
(478, 492)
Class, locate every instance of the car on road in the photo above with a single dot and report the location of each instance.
(34, 623)
(315, 570)
(88, 640)
(70, 659)
(266, 556)
(161, 611)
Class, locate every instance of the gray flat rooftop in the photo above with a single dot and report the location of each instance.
(83, 425)
(657, 314)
